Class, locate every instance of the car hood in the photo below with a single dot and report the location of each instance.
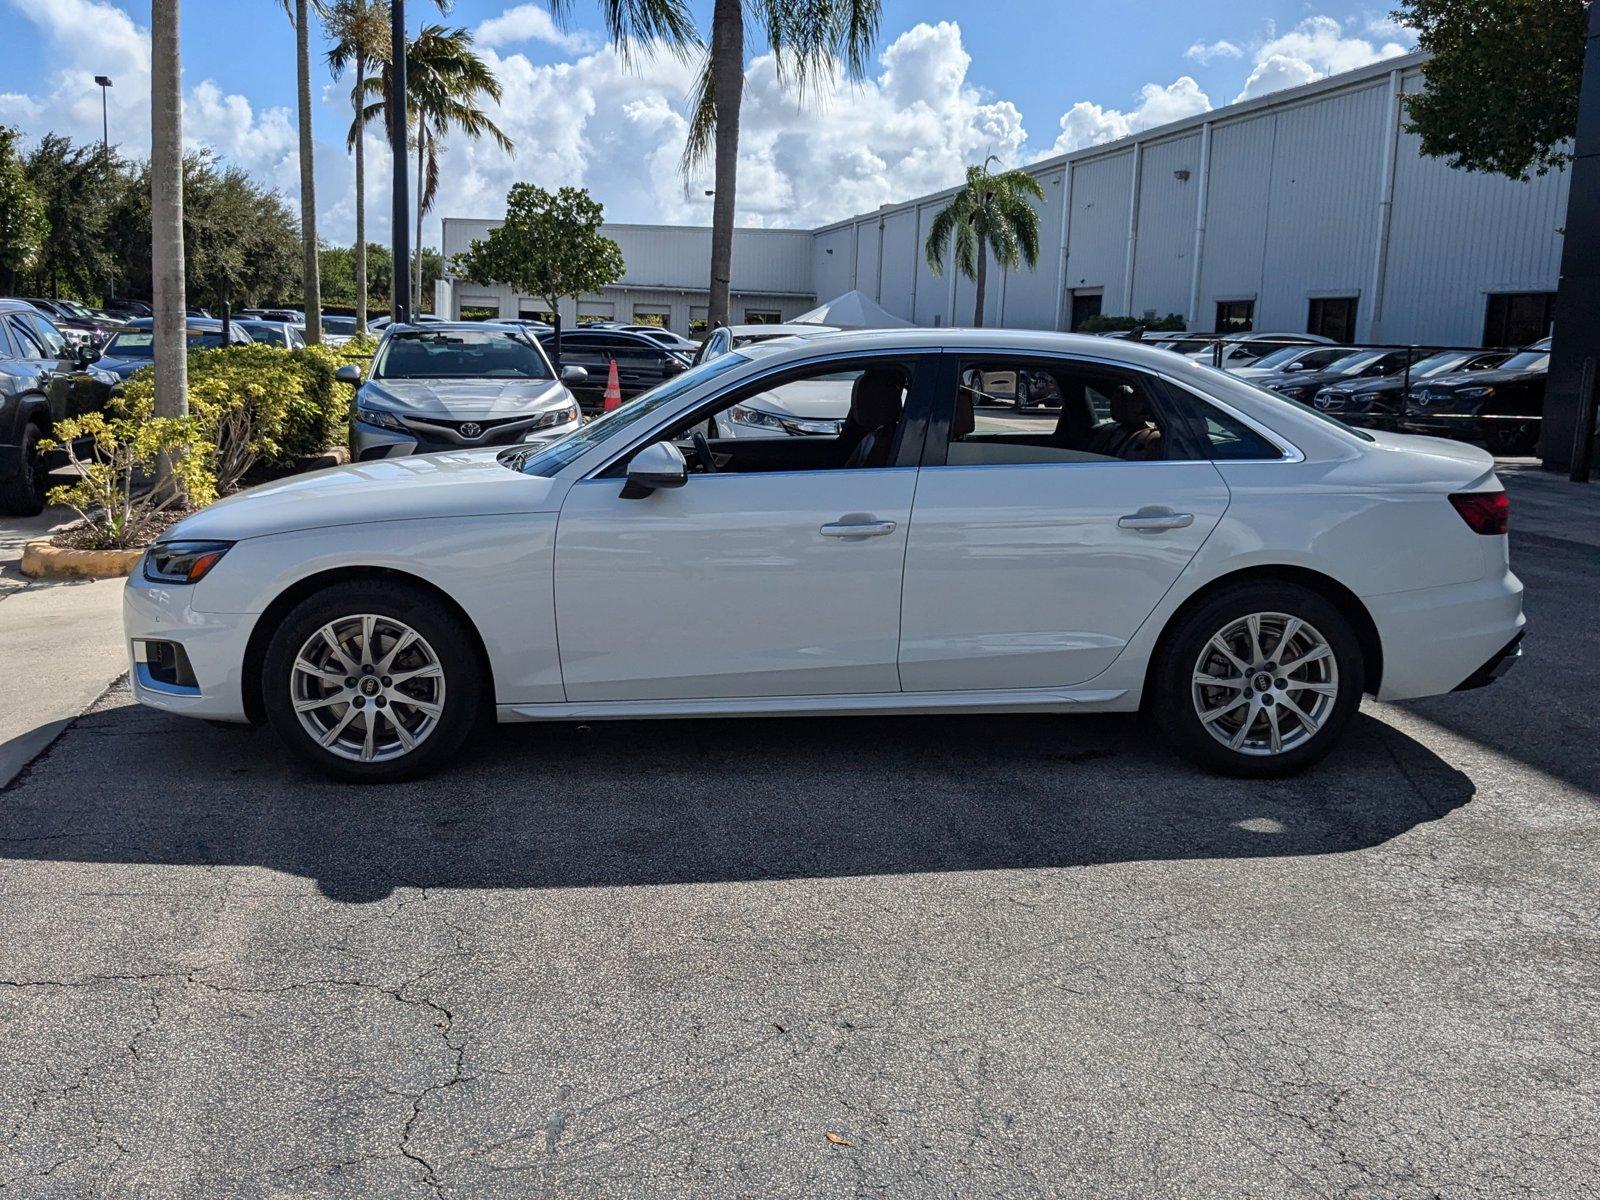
(463, 483)
(465, 399)
(808, 399)
(123, 367)
(1299, 379)
(1475, 379)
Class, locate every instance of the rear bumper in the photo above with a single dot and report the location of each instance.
(1501, 662)
(1434, 639)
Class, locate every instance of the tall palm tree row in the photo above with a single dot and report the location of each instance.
(991, 214)
(447, 85)
(300, 12)
(359, 30)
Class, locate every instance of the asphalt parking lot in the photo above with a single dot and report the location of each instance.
(1011, 956)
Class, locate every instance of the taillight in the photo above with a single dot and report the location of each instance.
(1488, 513)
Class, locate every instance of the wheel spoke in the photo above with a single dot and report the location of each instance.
(369, 625)
(1315, 654)
(1205, 680)
(1253, 624)
(1208, 717)
(431, 671)
(1301, 715)
(404, 640)
(427, 708)
(1291, 627)
(1222, 648)
(1321, 689)
(306, 667)
(334, 731)
(400, 731)
(338, 650)
(1272, 726)
(1249, 723)
(369, 742)
(342, 696)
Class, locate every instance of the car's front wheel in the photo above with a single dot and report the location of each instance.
(1259, 679)
(25, 481)
(372, 682)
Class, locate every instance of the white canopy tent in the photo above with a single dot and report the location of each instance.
(853, 310)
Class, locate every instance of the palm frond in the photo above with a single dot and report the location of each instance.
(702, 137)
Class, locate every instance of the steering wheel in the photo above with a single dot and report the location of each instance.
(702, 449)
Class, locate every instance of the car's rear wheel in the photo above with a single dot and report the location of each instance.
(372, 683)
(1259, 679)
(24, 481)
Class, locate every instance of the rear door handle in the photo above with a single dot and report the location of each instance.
(857, 528)
(1155, 520)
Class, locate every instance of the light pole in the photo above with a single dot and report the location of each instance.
(105, 122)
(400, 215)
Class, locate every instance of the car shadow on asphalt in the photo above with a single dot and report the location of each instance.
(704, 801)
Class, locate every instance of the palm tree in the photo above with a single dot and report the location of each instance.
(360, 32)
(446, 82)
(990, 215)
(299, 12)
(808, 41)
(166, 216)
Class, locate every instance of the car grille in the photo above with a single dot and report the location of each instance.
(1330, 400)
(488, 432)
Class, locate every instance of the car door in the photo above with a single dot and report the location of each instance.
(1035, 553)
(73, 390)
(769, 583)
(51, 376)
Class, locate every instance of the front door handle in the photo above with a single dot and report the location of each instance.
(857, 527)
(1155, 520)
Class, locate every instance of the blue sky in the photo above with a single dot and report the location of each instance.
(951, 83)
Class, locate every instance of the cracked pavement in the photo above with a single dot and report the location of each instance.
(999, 956)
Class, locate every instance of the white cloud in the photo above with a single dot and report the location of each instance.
(1206, 53)
(1316, 48)
(1088, 124)
(530, 23)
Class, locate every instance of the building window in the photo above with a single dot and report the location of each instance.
(1084, 306)
(699, 320)
(762, 316)
(1334, 319)
(480, 312)
(651, 314)
(1236, 316)
(532, 312)
(590, 311)
(1518, 318)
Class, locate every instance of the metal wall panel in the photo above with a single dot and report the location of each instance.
(1234, 257)
(1097, 246)
(933, 291)
(1456, 236)
(832, 259)
(898, 269)
(1165, 249)
(1030, 296)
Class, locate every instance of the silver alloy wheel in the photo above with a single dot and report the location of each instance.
(367, 688)
(1264, 684)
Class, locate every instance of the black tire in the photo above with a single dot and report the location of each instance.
(23, 480)
(1171, 695)
(439, 627)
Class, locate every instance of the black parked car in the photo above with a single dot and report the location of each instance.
(77, 323)
(1376, 403)
(641, 361)
(42, 380)
(133, 347)
(1501, 408)
(1358, 364)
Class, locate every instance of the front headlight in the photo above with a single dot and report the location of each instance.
(1295, 393)
(182, 562)
(558, 416)
(755, 418)
(381, 417)
(1477, 393)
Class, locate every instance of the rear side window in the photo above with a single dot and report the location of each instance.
(1217, 434)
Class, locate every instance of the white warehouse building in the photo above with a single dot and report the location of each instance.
(1311, 209)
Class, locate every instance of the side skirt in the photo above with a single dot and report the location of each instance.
(1021, 700)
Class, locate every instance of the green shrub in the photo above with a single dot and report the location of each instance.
(258, 403)
(1103, 323)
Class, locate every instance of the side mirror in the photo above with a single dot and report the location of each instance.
(671, 367)
(659, 465)
(1292, 367)
(573, 375)
(84, 355)
(349, 373)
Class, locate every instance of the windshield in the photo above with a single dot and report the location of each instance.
(548, 459)
(339, 324)
(1528, 360)
(1287, 355)
(262, 332)
(1280, 398)
(1439, 364)
(141, 343)
(1352, 364)
(74, 310)
(461, 354)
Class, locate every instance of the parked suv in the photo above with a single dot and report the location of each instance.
(1376, 403)
(77, 323)
(42, 380)
(1501, 407)
(642, 362)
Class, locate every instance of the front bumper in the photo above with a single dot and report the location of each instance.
(368, 442)
(213, 649)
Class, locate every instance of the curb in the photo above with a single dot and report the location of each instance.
(41, 560)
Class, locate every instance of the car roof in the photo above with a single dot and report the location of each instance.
(205, 323)
(13, 304)
(786, 329)
(455, 326)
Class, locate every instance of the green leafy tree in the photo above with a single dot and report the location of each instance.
(993, 213)
(549, 246)
(23, 228)
(446, 85)
(1501, 91)
(78, 186)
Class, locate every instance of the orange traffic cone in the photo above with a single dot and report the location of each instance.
(613, 398)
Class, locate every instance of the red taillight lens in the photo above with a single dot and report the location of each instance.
(1488, 513)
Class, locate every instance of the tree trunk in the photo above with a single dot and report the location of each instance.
(169, 299)
(361, 202)
(727, 82)
(982, 280)
(555, 321)
(310, 274)
(416, 274)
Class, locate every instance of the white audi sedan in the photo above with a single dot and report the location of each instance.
(1157, 535)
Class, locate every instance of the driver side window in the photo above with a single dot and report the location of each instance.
(827, 416)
